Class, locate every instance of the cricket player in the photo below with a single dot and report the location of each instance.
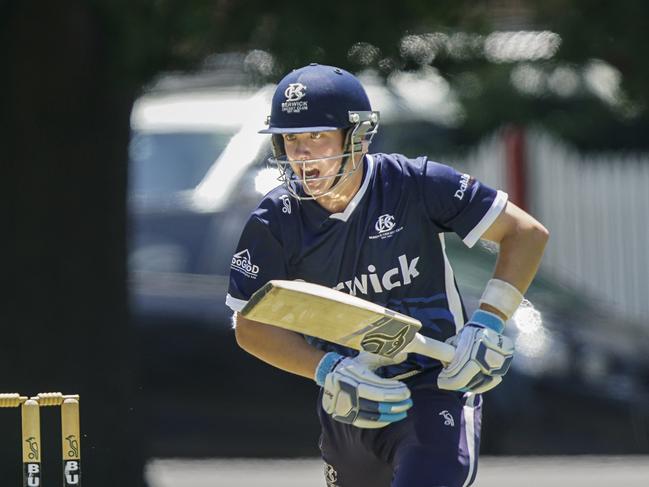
(373, 225)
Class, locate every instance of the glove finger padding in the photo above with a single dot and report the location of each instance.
(384, 407)
(374, 361)
(495, 352)
(487, 384)
(353, 394)
(481, 355)
(370, 385)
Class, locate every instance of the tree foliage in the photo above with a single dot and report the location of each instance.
(144, 38)
(615, 32)
(175, 35)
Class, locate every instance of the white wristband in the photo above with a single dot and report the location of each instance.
(502, 296)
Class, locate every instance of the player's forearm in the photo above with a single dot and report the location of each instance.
(520, 256)
(281, 348)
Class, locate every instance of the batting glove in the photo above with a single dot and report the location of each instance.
(355, 395)
(482, 356)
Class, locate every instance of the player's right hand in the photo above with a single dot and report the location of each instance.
(482, 356)
(354, 394)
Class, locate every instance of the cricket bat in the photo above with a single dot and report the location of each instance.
(331, 315)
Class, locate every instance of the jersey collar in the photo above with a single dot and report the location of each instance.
(349, 209)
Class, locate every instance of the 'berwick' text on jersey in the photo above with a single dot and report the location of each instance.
(389, 279)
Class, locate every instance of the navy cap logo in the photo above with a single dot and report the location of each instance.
(295, 92)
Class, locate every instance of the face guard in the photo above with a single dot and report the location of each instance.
(364, 125)
(320, 98)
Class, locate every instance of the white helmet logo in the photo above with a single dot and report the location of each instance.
(295, 92)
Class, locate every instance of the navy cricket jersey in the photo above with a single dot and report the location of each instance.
(387, 246)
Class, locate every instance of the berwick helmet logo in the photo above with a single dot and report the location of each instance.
(295, 92)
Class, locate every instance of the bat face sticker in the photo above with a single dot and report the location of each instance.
(388, 338)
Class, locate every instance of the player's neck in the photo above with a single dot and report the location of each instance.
(337, 201)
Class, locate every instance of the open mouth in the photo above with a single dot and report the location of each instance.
(310, 173)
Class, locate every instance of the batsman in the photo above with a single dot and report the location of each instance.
(374, 225)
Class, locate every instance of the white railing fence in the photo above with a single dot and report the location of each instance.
(596, 208)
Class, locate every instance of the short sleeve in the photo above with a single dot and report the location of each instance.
(257, 260)
(458, 202)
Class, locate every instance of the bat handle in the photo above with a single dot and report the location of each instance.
(431, 348)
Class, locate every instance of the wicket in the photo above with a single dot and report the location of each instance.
(31, 434)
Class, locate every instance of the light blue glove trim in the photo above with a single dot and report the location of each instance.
(490, 320)
(326, 365)
(387, 407)
(391, 418)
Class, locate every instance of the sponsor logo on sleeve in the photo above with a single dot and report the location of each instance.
(242, 263)
(294, 94)
(464, 184)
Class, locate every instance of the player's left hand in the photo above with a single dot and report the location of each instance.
(355, 395)
(482, 357)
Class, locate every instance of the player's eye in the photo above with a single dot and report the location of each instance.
(316, 135)
(289, 137)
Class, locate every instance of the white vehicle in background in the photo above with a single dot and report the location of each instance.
(197, 168)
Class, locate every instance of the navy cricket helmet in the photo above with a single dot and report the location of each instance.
(316, 98)
(319, 98)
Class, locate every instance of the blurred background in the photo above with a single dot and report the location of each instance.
(131, 160)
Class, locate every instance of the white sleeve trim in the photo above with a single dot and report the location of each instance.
(452, 294)
(235, 304)
(497, 207)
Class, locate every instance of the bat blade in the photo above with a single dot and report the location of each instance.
(337, 317)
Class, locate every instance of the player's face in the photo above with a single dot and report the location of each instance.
(317, 176)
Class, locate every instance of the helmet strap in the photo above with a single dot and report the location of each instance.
(346, 160)
(354, 143)
(277, 142)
